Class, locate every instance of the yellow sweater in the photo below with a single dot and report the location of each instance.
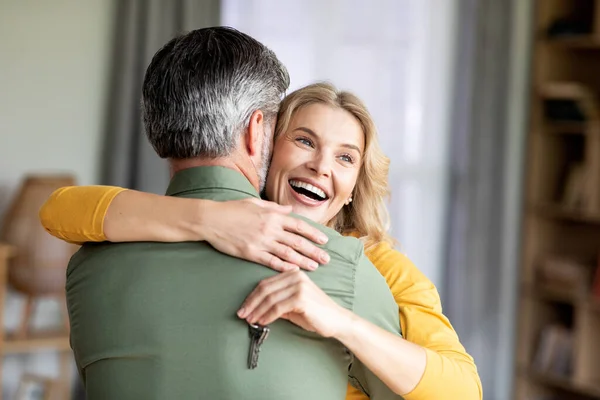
(76, 214)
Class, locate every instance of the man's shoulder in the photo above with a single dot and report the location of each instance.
(138, 253)
(349, 248)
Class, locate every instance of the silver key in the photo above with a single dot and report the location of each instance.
(258, 334)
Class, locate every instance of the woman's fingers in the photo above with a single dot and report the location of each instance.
(293, 296)
(304, 229)
(272, 306)
(267, 287)
(287, 305)
(290, 249)
(274, 262)
(262, 232)
(304, 248)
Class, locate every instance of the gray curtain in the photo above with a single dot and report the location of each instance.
(141, 28)
(486, 174)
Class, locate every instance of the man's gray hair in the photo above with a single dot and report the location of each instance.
(201, 89)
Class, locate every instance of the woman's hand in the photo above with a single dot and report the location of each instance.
(295, 297)
(263, 232)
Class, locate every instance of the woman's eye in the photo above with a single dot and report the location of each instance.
(347, 158)
(304, 141)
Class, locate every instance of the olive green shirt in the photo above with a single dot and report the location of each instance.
(158, 320)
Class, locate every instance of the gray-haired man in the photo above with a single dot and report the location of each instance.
(158, 320)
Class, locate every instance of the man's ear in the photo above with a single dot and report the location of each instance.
(255, 134)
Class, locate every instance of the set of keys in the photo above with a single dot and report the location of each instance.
(258, 335)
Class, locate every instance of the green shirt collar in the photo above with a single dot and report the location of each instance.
(211, 177)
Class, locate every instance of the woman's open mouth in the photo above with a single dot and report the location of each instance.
(306, 193)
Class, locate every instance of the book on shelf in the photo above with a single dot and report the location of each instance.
(564, 274)
(544, 397)
(569, 101)
(596, 282)
(554, 353)
(575, 194)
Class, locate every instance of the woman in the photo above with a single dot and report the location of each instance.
(328, 167)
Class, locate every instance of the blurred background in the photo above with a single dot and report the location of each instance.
(486, 108)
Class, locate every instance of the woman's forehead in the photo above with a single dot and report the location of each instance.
(328, 123)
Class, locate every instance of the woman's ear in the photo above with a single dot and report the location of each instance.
(255, 135)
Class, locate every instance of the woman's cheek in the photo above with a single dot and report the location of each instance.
(346, 184)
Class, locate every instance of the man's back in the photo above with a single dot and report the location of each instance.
(158, 320)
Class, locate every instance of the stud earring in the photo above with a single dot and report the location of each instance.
(349, 200)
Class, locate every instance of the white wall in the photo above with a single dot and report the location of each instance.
(53, 77)
(54, 59)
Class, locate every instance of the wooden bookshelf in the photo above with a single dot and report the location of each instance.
(589, 42)
(561, 384)
(565, 128)
(558, 338)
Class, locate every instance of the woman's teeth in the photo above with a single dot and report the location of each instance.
(308, 190)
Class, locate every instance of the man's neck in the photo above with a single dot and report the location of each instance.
(227, 162)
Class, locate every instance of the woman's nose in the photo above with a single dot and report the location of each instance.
(320, 165)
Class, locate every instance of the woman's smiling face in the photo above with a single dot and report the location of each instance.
(316, 162)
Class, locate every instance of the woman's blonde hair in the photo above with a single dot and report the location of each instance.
(367, 215)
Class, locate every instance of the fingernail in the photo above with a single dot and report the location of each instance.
(325, 258)
(323, 239)
(313, 266)
(241, 312)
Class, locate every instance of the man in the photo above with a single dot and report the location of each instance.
(158, 320)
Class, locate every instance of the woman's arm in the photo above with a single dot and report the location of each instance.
(75, 214)
(428, 363)
(252, 229)
(295, 297)
(450, 371)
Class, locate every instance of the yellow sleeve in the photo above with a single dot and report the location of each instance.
(76, 213)
(451, 372)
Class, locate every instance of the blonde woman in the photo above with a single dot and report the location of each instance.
(346, 192)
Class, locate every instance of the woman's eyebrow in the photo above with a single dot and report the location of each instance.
(306, 130)
(352, 147)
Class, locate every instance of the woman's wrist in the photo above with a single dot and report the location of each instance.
(347, 325)
(200, 226)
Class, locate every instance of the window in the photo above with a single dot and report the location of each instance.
(395, 55)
